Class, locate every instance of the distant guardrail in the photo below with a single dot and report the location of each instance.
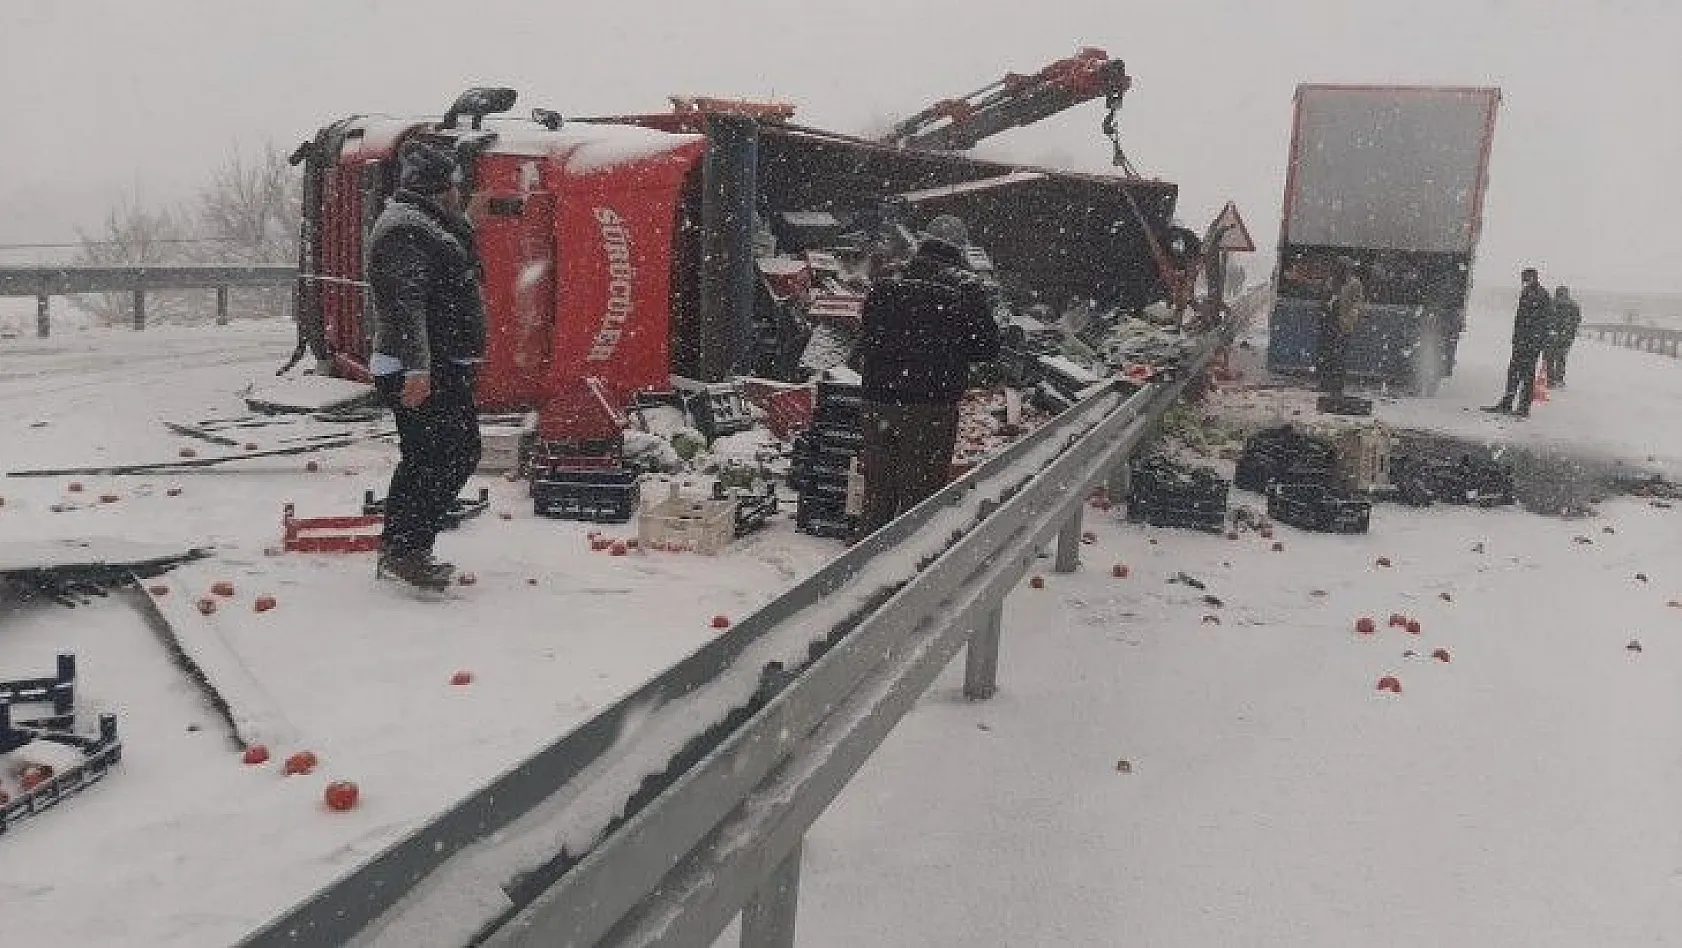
(1645, 338)
(44, 283)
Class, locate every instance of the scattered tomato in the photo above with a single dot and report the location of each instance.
(255, 754)
(302, 762)
(340, 795)
(264, 603)
(1365, 626)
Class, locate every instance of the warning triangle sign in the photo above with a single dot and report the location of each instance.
(1234, 236)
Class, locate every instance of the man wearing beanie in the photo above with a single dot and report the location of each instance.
(429, 338)
(922, 329)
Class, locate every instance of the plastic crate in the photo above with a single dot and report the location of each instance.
(1318, 508)
(823, 517)
(1363, 458)
(687, 524)
(716, 408)
(598, 496)
(1168, 514)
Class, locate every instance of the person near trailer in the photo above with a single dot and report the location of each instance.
(1530, 337)
(922, 331)
(429, 339)
(1337, 322)
(1565, 317)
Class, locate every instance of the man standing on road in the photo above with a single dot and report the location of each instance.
(922, 329)
(1343, 311)
(429, 338)
(1530, 336)
(1563, 321)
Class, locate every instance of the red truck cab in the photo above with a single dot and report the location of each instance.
(575, 225)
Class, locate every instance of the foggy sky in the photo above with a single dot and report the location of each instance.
(112, 98)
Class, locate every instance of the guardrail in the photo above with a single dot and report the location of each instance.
(1645, 338)
(43, 283)
(686, 803)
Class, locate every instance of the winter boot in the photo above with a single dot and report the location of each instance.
(416, 569)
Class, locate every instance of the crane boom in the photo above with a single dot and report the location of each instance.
(1014, 101)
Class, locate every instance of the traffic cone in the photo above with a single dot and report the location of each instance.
(1539, 392)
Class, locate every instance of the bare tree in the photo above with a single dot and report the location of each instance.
(248, 214)
(134, 236)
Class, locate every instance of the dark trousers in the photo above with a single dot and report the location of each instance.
(1521, 377)
(439, 445)
(1555, 356)
(1334, 355)
(907, 456)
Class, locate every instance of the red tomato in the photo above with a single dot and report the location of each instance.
(340, 795)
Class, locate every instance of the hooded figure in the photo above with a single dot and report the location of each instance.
(429, 338)
(1565, 317)
(922, 330)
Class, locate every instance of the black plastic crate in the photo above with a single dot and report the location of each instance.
(1352, 405)
(823, 517)
(598, 496)
(1165, 484)
(1468, 480)
(1318, 508)
(1168, 514)
(1286, 455)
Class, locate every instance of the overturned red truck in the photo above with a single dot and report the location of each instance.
(619, 252)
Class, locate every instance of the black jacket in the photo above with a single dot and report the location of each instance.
(1566, 319)
(1530, 326)
(921, 332)
(423, 271)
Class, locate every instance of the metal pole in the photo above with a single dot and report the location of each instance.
(981, 658)
(1120, 483)
(768, 919)
(221, 306)
(1068, 543)
(139, 309)
(43, 316)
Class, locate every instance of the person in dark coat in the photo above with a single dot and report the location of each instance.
(922, 330)
(1564, 319)
(1338, 321)
(1530, 336)
(429, 339)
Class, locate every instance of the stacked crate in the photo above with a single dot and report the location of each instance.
(823, 459)
(583, 480)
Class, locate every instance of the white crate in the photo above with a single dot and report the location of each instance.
(855, 490)
(506, 442)
(1363, 457)
(686, 524)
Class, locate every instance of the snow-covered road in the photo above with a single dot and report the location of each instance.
(184, 845)
(1523, 793)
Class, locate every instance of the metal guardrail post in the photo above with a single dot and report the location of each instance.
(1068, 543)
(981, 656)
(221, 306)
(139, 308)
(768, 919)
(43, 316)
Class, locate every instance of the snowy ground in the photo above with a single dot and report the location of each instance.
(1523, 793)
(184, 845)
